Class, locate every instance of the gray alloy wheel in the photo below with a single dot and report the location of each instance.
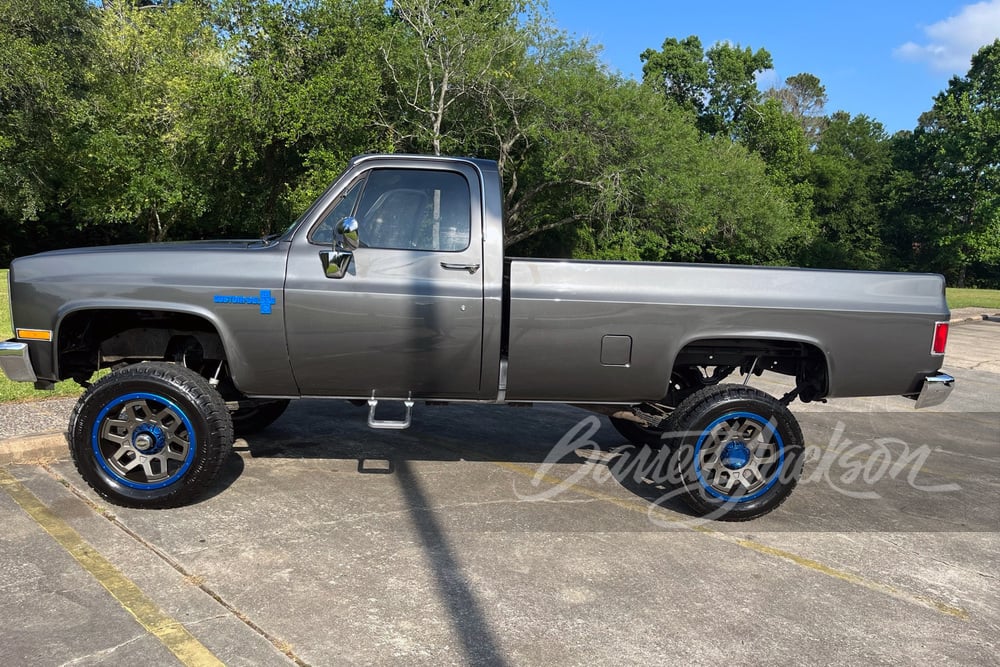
(737, 451)
(150, 435)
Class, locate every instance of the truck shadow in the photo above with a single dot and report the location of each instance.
(541, 436)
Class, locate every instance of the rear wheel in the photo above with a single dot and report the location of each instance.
(737, 451)
(150, 435)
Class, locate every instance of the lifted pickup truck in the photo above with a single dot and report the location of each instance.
(393, 288)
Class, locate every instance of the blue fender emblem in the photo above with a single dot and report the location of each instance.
(265, 300)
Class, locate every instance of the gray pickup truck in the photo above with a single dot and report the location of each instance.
(393, 288)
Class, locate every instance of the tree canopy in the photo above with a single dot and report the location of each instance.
(127, 120)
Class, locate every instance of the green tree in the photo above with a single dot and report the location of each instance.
(145, 159)
(304, 83)
(666, 191)
(733, 85)
(851, 172)
(45, 48)
(494, 79)
(804, 97)
(719, 85)
(443, 53)
(777, 136)
(679, 72)
(953, 196)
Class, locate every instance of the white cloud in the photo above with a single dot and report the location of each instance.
(952, 42)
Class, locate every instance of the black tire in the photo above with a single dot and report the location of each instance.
(257, 417)
(738, 452)
(150, 435)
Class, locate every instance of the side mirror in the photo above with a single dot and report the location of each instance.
(348, 231)
(337, 261)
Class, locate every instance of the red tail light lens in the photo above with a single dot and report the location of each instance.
(940, 338)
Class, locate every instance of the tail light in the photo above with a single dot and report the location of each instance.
(940, 338)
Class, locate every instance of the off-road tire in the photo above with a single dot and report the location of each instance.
(150, 435)
(737, 452)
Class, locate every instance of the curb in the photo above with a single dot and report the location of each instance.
(34, 448)
(976, 318)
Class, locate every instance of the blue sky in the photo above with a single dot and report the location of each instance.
(886, 59)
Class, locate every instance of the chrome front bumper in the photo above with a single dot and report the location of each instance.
(15, 362)
(935, 390)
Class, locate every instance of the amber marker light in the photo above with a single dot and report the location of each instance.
(34, 334)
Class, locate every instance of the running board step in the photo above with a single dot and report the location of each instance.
(389, 424)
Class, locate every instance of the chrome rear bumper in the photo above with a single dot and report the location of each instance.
(935, 390)
(15, 362)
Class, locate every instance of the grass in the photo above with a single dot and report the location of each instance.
(23, 391)
(979, 298)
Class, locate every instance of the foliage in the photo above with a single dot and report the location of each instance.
(803, 97)
(145, 153)
(850, 172)
(719, 84)
(44, 47)
(445, 57)
(133, 120)
(952, 195)
(304, 82)
(679, 72)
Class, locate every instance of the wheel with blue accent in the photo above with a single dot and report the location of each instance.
(150, 435)
(737, 451)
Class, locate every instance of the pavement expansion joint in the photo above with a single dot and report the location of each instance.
(193, 579)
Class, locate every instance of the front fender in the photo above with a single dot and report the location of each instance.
(256, 356)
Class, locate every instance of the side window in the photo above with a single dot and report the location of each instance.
(322, 233)
(410, 209)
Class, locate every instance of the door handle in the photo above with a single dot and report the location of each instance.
(471, 268)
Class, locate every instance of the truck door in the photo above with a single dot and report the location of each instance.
(407, 315)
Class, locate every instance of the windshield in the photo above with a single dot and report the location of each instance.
(305, 214)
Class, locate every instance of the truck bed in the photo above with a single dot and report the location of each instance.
(610, 331)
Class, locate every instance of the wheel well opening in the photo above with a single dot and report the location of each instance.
(89, 340)
(803, 361)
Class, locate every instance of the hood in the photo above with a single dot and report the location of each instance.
(171, 246)
(186, 261)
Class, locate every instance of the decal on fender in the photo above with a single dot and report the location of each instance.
(265, 300)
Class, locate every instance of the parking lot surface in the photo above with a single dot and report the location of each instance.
(499, 535)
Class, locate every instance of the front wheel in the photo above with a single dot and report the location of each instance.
(737, 451)
(150, 435)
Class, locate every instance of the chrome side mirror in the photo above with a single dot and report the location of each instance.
(337, 261)
(348, 231)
